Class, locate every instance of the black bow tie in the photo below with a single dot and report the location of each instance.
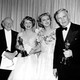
(64, 28)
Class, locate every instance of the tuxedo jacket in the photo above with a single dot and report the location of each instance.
(3, 44)
(73, 37)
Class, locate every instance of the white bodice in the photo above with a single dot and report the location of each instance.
(28, 41)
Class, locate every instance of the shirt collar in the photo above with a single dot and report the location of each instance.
(7, 31)
(68, 26)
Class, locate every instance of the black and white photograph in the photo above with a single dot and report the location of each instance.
(39, 39)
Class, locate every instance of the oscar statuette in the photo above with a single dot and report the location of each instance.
(64, 59)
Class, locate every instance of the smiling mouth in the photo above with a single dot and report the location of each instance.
(47, 23)
(28, 26)
(63, 22)
(9, 27)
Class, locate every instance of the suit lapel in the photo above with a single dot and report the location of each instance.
(71, 34)
(12, 39)
(4, 38)
(60, 38)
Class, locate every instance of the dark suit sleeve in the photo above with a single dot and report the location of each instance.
(55, 61)
(14, 41)
(58, 51)
(75, 47)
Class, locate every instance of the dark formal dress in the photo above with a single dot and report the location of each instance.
(3, 46)
(70, 70)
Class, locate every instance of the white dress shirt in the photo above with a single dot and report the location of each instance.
(65, 32)
(8, 39)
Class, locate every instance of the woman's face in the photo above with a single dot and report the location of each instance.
(28, 24)
(45, 20)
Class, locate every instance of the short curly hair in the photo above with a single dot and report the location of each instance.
(27, 18)
(40, 17)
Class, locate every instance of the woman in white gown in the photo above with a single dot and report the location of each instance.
(47, 47)
(38, 65)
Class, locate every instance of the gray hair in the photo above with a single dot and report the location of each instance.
(58, 11)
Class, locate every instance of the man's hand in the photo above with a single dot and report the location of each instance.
(10, 55)
(68, 53)
(55, 72)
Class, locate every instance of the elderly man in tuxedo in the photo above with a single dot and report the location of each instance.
(7, 44)
(67, 47)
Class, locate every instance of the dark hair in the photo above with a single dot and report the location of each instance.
(27, 18)
(57, 12)
(40, 17)
(2, 24)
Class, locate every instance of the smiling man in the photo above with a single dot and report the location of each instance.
(67, 48)
(7, 43)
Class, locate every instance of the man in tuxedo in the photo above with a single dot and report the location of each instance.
(7, 43)
(67, 47)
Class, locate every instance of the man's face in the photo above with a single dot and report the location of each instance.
(63, 18)
(8, 23)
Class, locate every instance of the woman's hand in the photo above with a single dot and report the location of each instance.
(32, 51)
(36, 49)
(20, 47)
